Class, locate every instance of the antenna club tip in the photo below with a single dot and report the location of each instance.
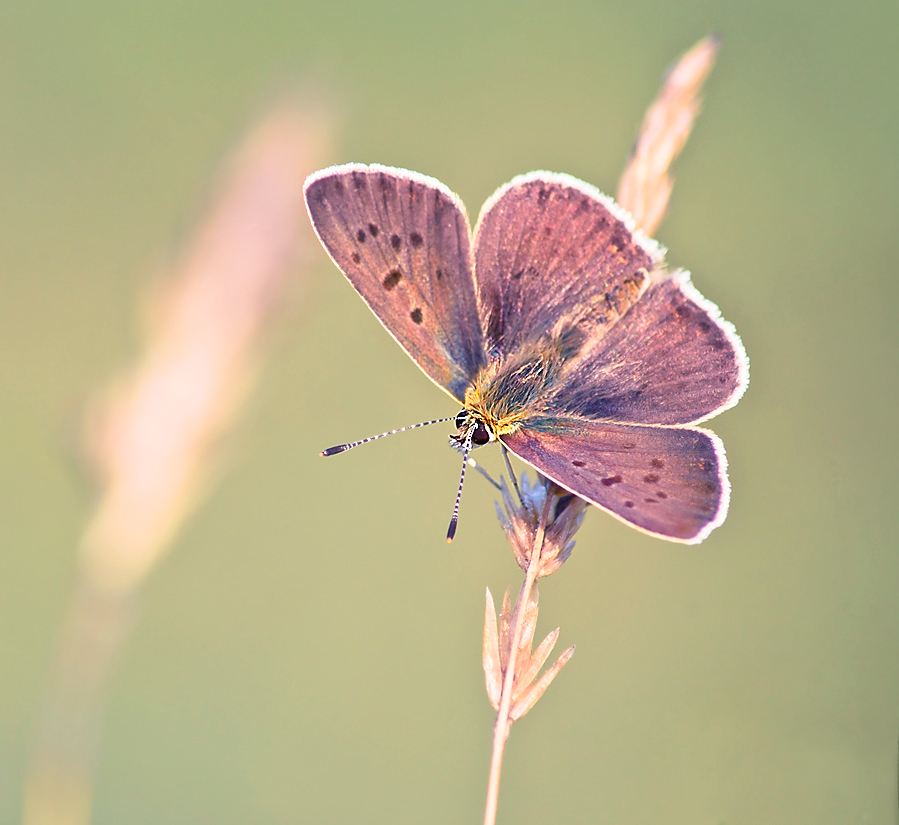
(449, 539)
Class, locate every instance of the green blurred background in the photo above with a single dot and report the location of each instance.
(311, 649)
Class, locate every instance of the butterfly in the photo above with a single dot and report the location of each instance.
(555, 326)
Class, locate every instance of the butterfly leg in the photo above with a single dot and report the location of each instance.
(512, 475)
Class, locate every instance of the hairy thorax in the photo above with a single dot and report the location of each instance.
(510, 390)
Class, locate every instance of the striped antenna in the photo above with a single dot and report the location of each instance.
(466, 449)
(342, 448)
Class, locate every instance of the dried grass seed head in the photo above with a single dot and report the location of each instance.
(520, 521)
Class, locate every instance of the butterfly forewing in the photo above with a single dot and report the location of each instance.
(670, 482)
(554, 257)
(671, 360)
(402, 240)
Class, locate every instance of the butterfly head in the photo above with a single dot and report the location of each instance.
(473, 430)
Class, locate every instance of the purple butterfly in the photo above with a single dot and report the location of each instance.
(555, 326)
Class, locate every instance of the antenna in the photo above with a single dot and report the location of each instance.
(342, 448)
(466, 449)
(462, 442)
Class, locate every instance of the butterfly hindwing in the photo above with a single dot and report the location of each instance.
(556, 258)
(670, 482)
(402, 241)
(671, 360)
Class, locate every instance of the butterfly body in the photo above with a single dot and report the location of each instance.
(556, 327)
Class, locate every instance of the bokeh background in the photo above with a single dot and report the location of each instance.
(310, 651)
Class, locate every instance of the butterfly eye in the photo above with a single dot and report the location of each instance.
(480, 436)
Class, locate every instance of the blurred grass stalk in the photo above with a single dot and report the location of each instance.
(509, 666)
(645, 187)
(152, 436)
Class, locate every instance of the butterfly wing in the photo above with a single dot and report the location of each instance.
(402, 240)
(554, 257)
(671, 360)
(670, 482)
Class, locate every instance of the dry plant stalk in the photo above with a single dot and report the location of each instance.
(645, 186)
(540, 528)
(541, 525)
(152, 435)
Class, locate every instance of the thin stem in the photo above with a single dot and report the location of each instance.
(502, 725)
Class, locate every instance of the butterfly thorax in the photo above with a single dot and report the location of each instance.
(510, 389)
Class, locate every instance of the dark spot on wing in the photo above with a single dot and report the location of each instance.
(356, 258)
(651, 478)
(542, 196)
(360, 236)
(628, 504)
(338, 185)
(705, 326)
(628, 446)
(657, 463)
(621, 237)
(660, 494)
(439, 274)
(650, 501)
(359, 180)
(547, 230)
(608, 482)
(416, 240)
(396, 241)
(374, 230)
(392, 279)
(516, 276)
(579, 463)
(416, 315)
(709, 487)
